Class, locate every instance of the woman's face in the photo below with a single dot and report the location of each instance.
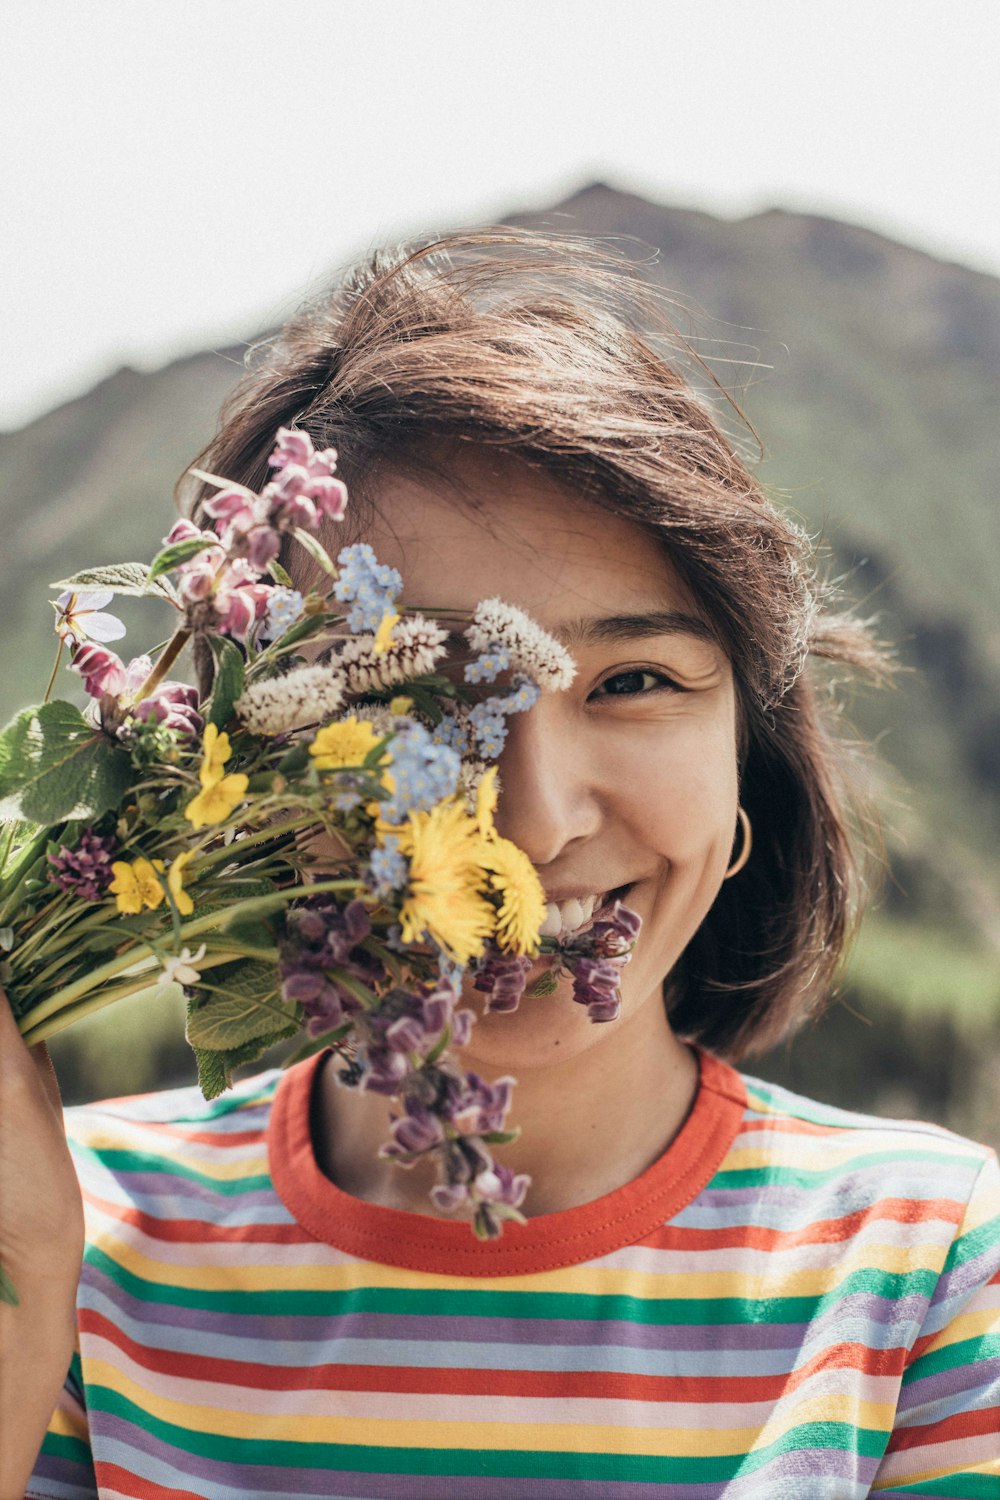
(628, 778)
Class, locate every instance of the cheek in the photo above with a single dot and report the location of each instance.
(681, 789)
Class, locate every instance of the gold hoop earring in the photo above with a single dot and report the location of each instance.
(744, 854)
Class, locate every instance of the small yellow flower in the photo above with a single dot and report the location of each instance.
(216, 801)
(443, 900)
(136, 887)
(487, 795)
(522, 904)
(345, 743)
(383, 635)
(175, 884)
(215, 751)
(400, 704)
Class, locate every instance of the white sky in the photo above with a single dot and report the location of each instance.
(177, 172)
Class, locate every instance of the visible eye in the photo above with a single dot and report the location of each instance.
(632, 683)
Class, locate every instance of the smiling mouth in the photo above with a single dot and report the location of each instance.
(574, 916)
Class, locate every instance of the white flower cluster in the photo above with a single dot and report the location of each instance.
(281, 704)
(531, 649)
(415, 648)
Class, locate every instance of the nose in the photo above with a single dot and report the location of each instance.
(549, 789)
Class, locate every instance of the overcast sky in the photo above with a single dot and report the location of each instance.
(178, 172)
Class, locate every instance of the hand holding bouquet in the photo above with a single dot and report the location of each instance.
(308, 842)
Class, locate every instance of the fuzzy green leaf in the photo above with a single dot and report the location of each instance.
(545, 984)
(316, 550)
(177, 553)
(121, 578)
(55, 766)
(228, 685)
(244, 1004)
(215, 1069)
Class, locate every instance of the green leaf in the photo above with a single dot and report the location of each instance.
(545, 984)
(300, 631)
(228, 685)
(121, 578)
(219, 483)
(178, 552)
(8, 1291)
(279, 575)
(316, 550)
(212, 1076)
(244, 1003)
(215, 1069)
(55, 766)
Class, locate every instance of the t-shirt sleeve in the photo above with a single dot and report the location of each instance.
(946, 1437)
(64, 1469)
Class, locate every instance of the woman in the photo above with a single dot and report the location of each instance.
(721, 1289)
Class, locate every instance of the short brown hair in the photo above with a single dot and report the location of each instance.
(555, 350)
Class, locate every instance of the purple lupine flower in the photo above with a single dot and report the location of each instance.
(413, 1133)
(503, 977)
(321, 935)
(616, 934)
(596, 985)
(174, 705)
(499, 1184)
(86, 869)
(480, 1107)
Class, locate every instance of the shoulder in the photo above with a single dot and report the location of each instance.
(854, 1161)
(171, 1132)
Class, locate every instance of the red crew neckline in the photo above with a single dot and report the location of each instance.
(421, 1242)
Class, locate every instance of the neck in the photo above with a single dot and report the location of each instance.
(589, 1123)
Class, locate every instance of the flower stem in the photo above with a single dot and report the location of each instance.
(55, 668)
(211, 922)
(171, 652)
(39, 1030)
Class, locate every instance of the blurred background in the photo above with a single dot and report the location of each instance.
(821, 186)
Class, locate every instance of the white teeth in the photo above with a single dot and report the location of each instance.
(552, 926)
(568, 916)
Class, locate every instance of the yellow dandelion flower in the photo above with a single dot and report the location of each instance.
(215, 752)
(345, 743)
(487, 795)
(214, 803)
(383, 635)
(175, 884)
(135, 885)
(443, 901)
(522, 899)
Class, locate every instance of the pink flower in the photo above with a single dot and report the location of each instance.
(79, 617)
(102, 671)
(304, 488)
(233, 508)
(180, 531)
(174, 705)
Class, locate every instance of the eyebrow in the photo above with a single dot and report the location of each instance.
(618, 628)
(601, 628)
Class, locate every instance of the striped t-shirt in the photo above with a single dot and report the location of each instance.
(793, 1303)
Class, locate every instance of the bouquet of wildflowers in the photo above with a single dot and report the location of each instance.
(307, 845)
